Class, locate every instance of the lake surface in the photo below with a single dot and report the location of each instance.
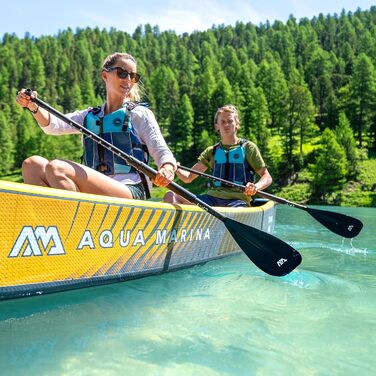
(222, 318)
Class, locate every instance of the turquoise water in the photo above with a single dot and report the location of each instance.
(222, 318)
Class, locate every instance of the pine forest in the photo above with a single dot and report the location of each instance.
(305, 90)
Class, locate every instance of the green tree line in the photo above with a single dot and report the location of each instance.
(306, 90)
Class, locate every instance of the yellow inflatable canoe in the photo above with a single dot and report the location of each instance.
(54, 240)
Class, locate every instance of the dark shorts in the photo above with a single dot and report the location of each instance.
(137, 190)
(215, 201)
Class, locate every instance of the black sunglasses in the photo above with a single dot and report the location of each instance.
(122, 73)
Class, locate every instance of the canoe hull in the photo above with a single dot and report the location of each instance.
(54, 240)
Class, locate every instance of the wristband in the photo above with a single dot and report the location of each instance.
(34, 111)
(169, 163)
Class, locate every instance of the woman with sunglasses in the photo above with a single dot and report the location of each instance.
(120, 120)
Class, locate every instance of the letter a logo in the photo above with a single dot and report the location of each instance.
(33, 242)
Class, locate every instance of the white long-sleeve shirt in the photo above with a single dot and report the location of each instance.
(144, 125)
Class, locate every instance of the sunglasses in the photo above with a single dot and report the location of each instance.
(122, 73)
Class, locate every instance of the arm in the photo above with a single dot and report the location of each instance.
(147, 128)
(255, 160)
(187, 176)
(50, 124)
(40, 115)
(264, 182)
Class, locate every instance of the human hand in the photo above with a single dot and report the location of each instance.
(250, 189)
(26, 101)
(164, 176)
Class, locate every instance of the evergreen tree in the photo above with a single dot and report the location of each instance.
(29, 137)
(166, 96)
(187, 71)
(363, 93)
(202, 100)
(345, 138)
(72, 98)
(319, 78)
(36, 66)
(6, 145)
(330, 168)
(300, 121)
(271, 78)
(258, 119)
(231, 65)
(85, 71)
(223, 94)
(65, 147)
(181, 130)
(283, 43)
(246, 96)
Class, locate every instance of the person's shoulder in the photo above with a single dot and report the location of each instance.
(211, 148)
(143, 120)
(206, 156)
(208, 153)
(93, 110)
(78, 114)
(249, 144)
(139, 107)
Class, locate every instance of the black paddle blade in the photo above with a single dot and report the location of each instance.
(269, 253)
(338, 223)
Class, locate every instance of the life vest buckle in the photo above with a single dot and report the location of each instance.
(102, 167)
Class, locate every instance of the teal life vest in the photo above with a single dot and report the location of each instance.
(232, 165)
(117, 129)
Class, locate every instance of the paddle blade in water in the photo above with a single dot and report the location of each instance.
(269, 253)
(340, 224)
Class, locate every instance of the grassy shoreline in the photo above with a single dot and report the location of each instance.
(355, 194)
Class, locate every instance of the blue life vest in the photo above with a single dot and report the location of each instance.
(232, 165)
(116, 128)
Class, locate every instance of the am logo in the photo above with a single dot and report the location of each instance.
(37, 241)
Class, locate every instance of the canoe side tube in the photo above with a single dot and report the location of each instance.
(53, 240)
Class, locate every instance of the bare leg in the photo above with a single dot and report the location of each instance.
(34, 170)
(173, 198)
(73, 176)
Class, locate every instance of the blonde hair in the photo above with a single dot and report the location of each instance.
(227, 108)
(110, 61)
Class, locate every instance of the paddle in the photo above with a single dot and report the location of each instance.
(266, 251)
(340, 224)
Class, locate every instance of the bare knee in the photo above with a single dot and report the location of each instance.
(173, 198)
(169, 197)
(33, 170)
(34, 162)
(61, 174)
(56, 167)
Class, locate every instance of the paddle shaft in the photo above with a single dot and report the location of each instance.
(340, 224)
(132, 161)
(242, 187)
